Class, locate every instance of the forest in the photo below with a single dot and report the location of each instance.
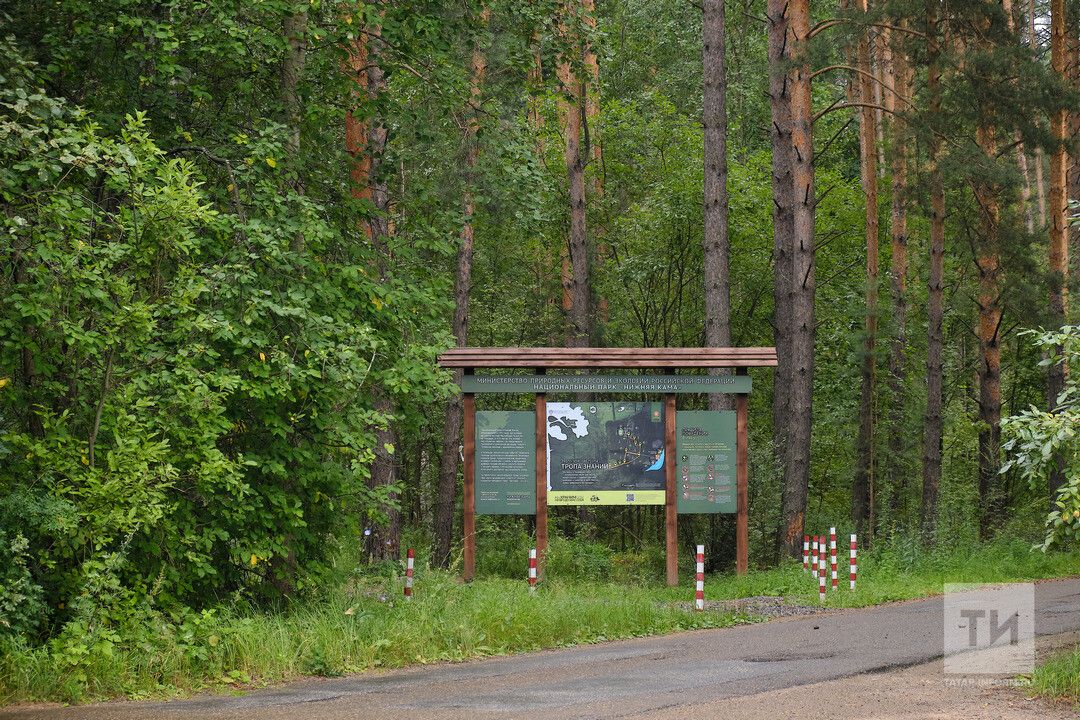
(238, 234)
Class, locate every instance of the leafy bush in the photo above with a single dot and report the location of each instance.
(1040, 442)
(191, 418)
(22, 610)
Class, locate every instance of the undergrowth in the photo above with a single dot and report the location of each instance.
(591, 595)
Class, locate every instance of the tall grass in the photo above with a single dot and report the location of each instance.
(367, 627)
(1059, 677)
(591, 594)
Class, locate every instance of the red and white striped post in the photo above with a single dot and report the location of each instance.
(853, 564)
(805, 552)
(814, 557)
(699, 587)
(409, 557)
(532, 570)
(821, 572)
(832, 557)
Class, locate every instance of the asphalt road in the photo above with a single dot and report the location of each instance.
(650, 677)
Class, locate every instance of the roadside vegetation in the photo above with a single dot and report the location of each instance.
(362, 623)
(1059, 677)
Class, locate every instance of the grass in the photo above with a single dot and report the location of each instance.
(370, 627)
(1059, 677)
(365, 624)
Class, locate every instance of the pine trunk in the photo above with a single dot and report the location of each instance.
(793, 508)
(448, 465)
(800, 285)
(898, 472)
(580, 326)
(932, 433)
(862, 492)
(988, 262)
(366, 145)
(1059, 221)
(716, 241)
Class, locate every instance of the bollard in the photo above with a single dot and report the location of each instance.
(821, 581)
(821, 570)
(699, 588)
(853, 545)
(813, 557)
(409, 573)
(532, 570)
(832, 557)
(805, 553)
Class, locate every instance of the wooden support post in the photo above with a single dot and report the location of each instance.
(469, 485)
(671, 510)
(742, 482)
(541, 482)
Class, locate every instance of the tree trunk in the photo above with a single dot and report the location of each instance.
(594, 150)
(800, 284)
(932, 433)
(780, 87)
(898, 472)
(366, 144)
(572, 111)
(1018, 144)
(1059, 227)
(448, 465)
(988, 331)
(716, 241)
(1072, 183)
(862, 491)
(294, 27)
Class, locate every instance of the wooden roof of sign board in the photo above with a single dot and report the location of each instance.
(586, 358)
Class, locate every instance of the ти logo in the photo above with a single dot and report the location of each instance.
(989, 629)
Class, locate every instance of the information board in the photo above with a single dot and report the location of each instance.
(606, 383)
(705, 471)
(505, 462)
(605, 453)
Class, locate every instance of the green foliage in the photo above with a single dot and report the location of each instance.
(192, 415)
(1040, 442)
(21, 606)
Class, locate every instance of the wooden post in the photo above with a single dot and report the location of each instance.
(469, 484)
(541, 481)
(742, 482)
(671, 510)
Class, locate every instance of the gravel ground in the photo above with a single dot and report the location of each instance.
(769, 606)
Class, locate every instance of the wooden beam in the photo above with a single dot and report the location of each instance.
(469, 486)
(742, 482)
(671, 509)
(496, 357)
(541, 483)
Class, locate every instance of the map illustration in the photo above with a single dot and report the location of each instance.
(605, 452)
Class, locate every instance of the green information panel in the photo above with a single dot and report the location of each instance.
(705, 444)
(505, 463)
(605, 453)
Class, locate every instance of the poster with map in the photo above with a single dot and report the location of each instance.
(605, 453)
